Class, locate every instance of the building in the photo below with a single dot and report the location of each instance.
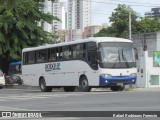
(154, 13)
(74, 34)
(57, 9)
(79, 14)
(148, 75)
(90, 31)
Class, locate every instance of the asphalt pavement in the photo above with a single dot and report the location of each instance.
(93, 89)
(27, 98)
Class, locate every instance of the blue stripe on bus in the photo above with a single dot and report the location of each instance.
(126, 80)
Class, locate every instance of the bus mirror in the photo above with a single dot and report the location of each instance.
(136, 53)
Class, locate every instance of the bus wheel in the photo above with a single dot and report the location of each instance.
(84, 86)
(43, 87)
(117, 88)
(69, 88)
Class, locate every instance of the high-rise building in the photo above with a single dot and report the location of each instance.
(57, 9)
(79, 14)
(154, 13)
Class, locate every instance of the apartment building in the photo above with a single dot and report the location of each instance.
(154, 13)
(79, 14)
(57, 9)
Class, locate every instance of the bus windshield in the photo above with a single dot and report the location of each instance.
(116, 55)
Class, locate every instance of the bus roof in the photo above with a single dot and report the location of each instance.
(91, 39)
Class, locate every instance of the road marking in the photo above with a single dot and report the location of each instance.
(30, 96)
(5, 108)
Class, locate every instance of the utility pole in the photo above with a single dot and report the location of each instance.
(145, 45)
(53, 39)
(130, 30)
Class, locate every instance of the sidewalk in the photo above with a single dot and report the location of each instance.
(145, 89)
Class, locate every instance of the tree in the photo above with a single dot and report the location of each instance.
(19, 27)
(110, 32)
(120, 22)
(148, 25)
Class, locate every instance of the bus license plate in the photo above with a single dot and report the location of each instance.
(119, 84)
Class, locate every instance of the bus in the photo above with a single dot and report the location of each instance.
(88, 63)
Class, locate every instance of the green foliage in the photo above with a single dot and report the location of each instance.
(110, 32)
(120, 23)
(120, 20)
(19, 28)
(148, 25)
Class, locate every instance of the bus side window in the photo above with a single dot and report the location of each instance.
(66, 52)
(60, 54)
(25, 58)
(53, 54)
(44, 55)
(31, 57)
(41, 55)
(79, 51)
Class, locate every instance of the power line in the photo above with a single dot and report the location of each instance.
(136, 2)
(140, 4)
(130, 5)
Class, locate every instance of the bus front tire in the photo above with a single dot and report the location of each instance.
(69, 88)
(43, 87)
(84, 86)
(117, 88)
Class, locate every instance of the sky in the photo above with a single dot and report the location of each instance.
(102, 9)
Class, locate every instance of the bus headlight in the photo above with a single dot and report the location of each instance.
(106, 75)
(133, 74)
(106, 81)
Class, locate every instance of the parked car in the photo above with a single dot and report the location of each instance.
(2, 79)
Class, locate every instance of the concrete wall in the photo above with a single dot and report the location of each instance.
(151, 41)
(158, 40)
(147, 76)
(153, 74)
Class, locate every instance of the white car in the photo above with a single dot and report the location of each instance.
(2, 80)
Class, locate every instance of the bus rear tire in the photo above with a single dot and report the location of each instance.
(69, 88)
(43, 87)
(84, 86)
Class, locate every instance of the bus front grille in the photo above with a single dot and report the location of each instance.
(119, 81)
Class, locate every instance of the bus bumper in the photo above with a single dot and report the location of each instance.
(115, 81)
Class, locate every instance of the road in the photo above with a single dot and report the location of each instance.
(34, 100)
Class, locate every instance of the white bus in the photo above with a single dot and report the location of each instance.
(88, 63)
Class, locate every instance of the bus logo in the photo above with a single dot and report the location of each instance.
(52, 66)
